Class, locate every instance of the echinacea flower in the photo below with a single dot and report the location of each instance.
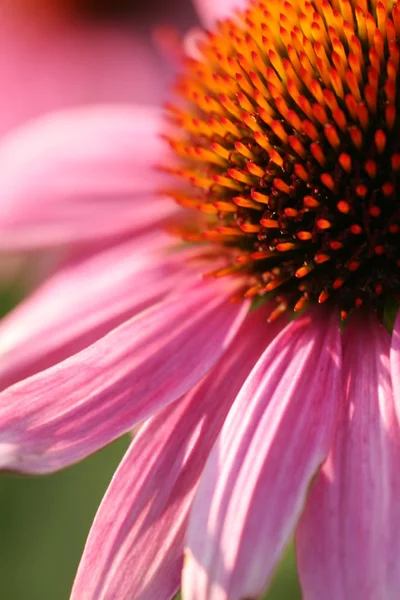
(255, 424)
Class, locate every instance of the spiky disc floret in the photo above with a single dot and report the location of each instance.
(290, 138)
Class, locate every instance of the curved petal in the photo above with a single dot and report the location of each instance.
(348, 540)
(135, 548)
(255, 483)
(82, 175)
(55, 322)
(62, 414)
(210, 11)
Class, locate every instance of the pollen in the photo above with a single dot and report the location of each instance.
(288, 137)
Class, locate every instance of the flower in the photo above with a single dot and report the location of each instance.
(284, 153)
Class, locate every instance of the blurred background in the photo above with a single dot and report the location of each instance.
(54, 54)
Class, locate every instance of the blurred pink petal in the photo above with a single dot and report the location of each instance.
(50, 60)
(255, 483)
(64, 194)
(135, 548)
(52, 324)
(211, 10)
(54, 55)
(68, 411)
(348, 540)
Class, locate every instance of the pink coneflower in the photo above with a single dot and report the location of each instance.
(266, 390)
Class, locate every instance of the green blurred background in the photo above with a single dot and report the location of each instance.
(44, 522)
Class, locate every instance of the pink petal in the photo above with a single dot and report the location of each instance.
(348, 539)
(62, 414)
(211, 10)
(395, 364)
(52, 61)
(54, 323)
(255, 482)
(135, 548)
(82, 175)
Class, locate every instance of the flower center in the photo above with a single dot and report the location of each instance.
(289, 138)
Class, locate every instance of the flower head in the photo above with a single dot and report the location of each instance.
(291, 141)
(250, 430)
